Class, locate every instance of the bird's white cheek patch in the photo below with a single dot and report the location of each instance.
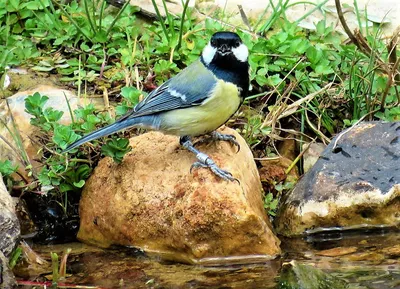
(241, 52)
(208, 53)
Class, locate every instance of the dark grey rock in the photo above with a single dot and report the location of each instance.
(9, 225)
(7, 280)
(354, 184)
(9, 234)
(9, 230)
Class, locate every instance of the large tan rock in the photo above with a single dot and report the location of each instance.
(151, 201)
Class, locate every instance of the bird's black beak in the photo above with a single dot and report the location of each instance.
(224, 49)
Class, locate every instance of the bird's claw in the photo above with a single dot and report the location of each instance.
(205, 162)
(217, 136)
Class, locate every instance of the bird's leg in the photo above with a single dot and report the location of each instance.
(217, 136)
(204, 161)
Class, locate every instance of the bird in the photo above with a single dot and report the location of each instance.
(195, 102)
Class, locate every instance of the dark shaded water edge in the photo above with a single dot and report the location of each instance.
(368, 259)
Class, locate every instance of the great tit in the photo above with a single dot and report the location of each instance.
(195, 102)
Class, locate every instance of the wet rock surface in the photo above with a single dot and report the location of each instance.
(354, 184)
(151, 201)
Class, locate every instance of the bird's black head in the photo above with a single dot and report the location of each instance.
(225, 47)
(226, 55)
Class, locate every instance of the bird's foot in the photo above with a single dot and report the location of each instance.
(204, 161)
(217, 136)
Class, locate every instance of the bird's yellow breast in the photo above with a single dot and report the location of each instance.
(222, 103)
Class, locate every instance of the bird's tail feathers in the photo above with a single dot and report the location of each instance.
(143, 121)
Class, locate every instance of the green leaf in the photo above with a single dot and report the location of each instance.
(131, 94)
(7, 168)
(52, 115)
(14, 5)
(101, 37)
(314, 54)
(116, 148)
(33, 5)
(34, 104)
(274, 80)
(64, 187)
(79, 184)
(321, 27)
(64, 135)
(122, 109)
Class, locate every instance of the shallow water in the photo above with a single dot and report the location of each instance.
(365, 259)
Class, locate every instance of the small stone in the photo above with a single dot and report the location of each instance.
(374, 257)
(338, 251)
(393, 252)
(363, 242)
(153, 202)
(312, 155)
(31, 263)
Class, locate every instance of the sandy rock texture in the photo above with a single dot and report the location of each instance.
(354, 184)
(152, 202)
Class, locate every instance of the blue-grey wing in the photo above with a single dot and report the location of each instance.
(189, 88)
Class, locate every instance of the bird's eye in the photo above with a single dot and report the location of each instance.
(237, 43)
(213, 42)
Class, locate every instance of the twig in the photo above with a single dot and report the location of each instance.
(344, 24)
(292, 108)
(13, 148)
(106, 99)
(28, 184)
(244, 17)
(316, 130)
(391, 78)
(103, 64)
(295, 161)
(357, 38)
(267, 121)
(26, 181)
(351, 128)
(392, 49)
(47, 148)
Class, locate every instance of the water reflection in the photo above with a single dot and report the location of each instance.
(368, 259)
